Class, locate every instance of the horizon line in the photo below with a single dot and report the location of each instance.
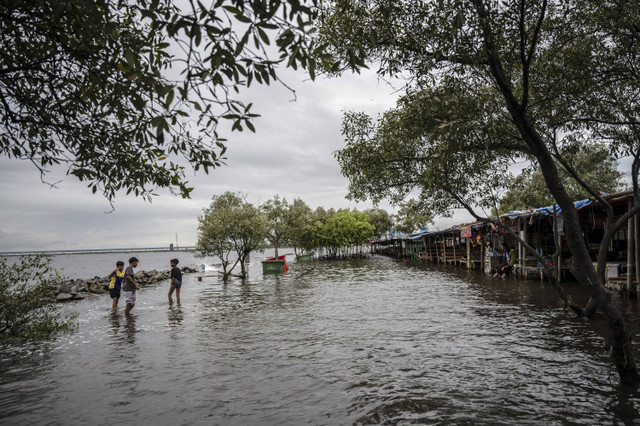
(96, 250)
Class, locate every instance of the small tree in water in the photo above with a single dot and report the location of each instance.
(27, 292)
(342, 232)
(229, 226)
(300, 227)
(277, 213)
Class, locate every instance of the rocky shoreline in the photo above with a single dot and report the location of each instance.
(79, 289)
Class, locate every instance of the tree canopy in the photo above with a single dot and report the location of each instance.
(381, 220)
(342, 231)
(300, 226)
(276, 211)
(123, 94)
(411, 218)
(230, 229)
(593, 163)
(432, 146)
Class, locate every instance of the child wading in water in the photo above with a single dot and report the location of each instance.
(130, 286)
(117, 277)
(176, 280)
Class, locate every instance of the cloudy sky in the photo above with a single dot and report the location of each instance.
(290, 154)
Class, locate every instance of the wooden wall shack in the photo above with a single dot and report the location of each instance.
(469, 245)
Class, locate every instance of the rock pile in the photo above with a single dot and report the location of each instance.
(79, 289)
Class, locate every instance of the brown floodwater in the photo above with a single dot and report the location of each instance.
(374, 341)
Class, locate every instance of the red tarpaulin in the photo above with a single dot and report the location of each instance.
(285, 267)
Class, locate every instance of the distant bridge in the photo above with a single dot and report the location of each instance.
(88, 251)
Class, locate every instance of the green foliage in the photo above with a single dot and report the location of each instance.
(300, 226)
(593, 163)
(411, 218)
(487, 83)
(230, 229)
(320, 214)
(276, 211)
(118, 91)
(441, 144)
(340, 232)
(27, 294)
(381, 220)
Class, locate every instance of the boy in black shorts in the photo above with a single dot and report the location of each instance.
(117, 277)
(176, 280)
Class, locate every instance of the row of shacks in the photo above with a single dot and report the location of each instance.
(480, 245)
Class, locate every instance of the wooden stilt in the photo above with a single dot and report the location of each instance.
(424, 245)
(523, 273)
(560, 258)
(455, 258)
(444, 248)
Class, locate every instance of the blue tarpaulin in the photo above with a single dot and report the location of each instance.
(547, 211)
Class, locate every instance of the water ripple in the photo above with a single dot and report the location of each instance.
(376, 341)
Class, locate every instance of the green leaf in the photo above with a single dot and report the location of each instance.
(243, 19)
(169, 98)
(263, 35)
(130, 57)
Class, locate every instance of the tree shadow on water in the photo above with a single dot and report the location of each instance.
(624, 405)
(401, 409)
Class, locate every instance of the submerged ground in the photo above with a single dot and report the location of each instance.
(368, 341)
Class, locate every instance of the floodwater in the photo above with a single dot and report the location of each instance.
(374, 341)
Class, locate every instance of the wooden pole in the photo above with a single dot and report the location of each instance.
(523, 273)
(444, 248)
(455, 257)
(520, 247)
(424, 245)
(560, 258)
(469, 264)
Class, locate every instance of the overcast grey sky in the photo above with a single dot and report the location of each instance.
(290, 154)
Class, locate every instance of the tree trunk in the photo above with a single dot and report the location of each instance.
(636, 239)
(618, 339)
(617, 336)
(243, 270)
(630, 255)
